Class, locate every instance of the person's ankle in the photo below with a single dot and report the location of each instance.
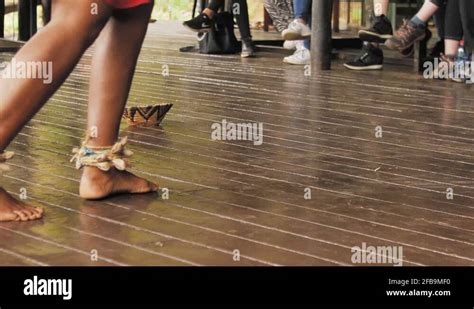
(416, 22)
(209, 13)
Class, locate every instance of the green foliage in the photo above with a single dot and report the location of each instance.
(173, 9)
(181, 9)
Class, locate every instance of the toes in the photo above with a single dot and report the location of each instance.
(27, 214)
(30, 214)
(21, 215)
(36, 212)
(153, 186)
(146, 187)
(142, 186)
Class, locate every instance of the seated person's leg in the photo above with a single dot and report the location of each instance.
(381, 28)
(203, 22)
(453, 30)
(438, 49)
(415, 29)
(372, 57)
(466, 8)
(453, 35)
(459, 24)
(241, 13)
(299, 32)
(281, 12)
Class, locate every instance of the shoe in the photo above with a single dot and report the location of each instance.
(379, 32)
(292, 45)
(406, 36)
(409, 51)
(442, 68)
(302, 56)
(248, 48)
(371, 59)
(453, 68)
(201, 23)
(296, 31)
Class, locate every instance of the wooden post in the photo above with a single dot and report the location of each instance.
(336, 15)
(33, 4)
(46, 11)
(321, 39)
(2, 18)
(24, 20)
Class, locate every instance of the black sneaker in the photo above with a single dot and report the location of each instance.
(379, 32)
(248, 48)
(201, 23)
(371, 59)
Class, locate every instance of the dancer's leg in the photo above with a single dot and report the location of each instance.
(113, 66)
(62, 42)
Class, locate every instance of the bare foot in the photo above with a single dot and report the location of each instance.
(14, 210)
(97, 184)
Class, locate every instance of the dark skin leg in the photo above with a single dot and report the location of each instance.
(113, 65)
(71, 31)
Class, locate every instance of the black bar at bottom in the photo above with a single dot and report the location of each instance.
(187, 285)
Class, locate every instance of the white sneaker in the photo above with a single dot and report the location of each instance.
(302, 56)
(296, 31)
(292, 45)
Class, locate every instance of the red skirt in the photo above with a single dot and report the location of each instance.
(126, 4)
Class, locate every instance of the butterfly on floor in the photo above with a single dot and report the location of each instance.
(151, 115)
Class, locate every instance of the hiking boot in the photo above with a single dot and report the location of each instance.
(406, 36)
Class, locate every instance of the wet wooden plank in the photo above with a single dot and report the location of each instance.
(319, 134)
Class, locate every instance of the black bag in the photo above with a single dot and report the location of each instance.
(221, 38)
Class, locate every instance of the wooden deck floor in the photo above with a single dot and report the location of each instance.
(319, 133)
